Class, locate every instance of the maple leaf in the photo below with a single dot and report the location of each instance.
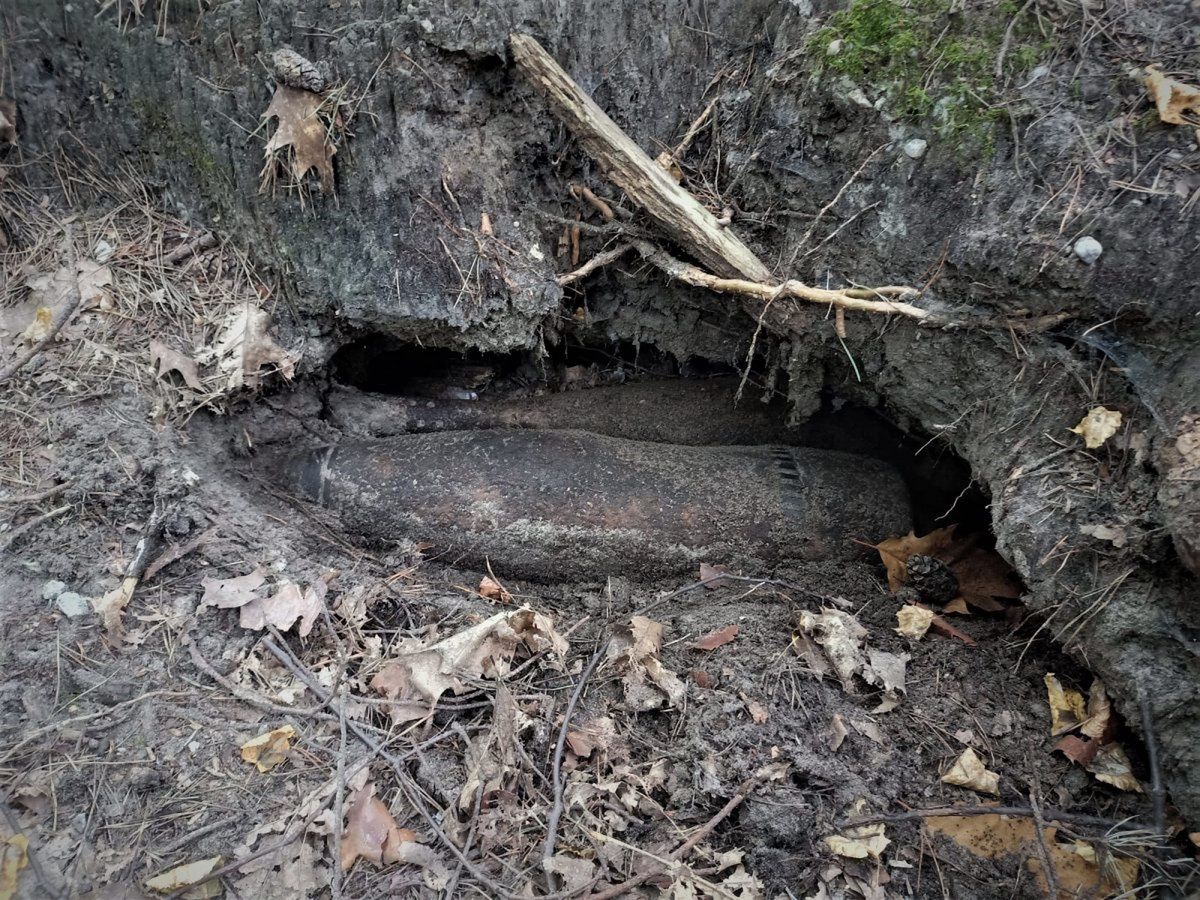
(302, 130)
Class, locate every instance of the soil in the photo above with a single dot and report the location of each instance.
(123, 757)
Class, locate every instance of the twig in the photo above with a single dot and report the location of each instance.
(37, 497)
(1157, 794)
(1048, 871)
(206, 241)
(686, 847)
(697, 277)
(1008, 36)
(11, 537)
(73, 301)
(831, 204)
(583, 192)
(556, 811)
(196, 833)
(250, 697)
(600, 259)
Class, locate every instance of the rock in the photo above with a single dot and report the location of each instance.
(835, 47)
(1088, 249)
(915, 148)
(73, 605)
(52, 589)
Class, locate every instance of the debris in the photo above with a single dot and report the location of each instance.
(110, 607)
(52, 588)
(757, 711)
(416, 678)
(837, 732)
(14, 856)
(491, 589)
(1067, 707)
(710, 575)
(245, 347)
(598, 734)
(1114, 534)
(915, 148)
(270, 749)
(717, 638)
(841, 636)
(648, 684)
(371, 832)
(292, 69)
(193, 876)
(1111, 765)
(167, 360)
(40, 328)
(1098, 426)
(1088, 249)
(282, 609)
(231, 593)
(914, 621)
(577, 874)
(301, 130)
(1173, 98)
(969, 771)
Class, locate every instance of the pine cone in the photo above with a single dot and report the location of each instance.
(294, 70)
(932, 579)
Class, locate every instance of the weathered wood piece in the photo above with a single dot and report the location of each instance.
(675, 210)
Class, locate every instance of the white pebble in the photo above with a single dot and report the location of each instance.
(1088, 249)
(915, 148)
(73, 605)
(52, 589)
(835, 47)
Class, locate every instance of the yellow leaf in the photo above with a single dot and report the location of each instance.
(1111, 765)
(1173, 97)
(1067, 708)
(268, 750)
(1098, 426)
(895, 552)
(969, 771)
(39, 328)
(14, 856)
(859, 843)
(914, 621)
(189, 875)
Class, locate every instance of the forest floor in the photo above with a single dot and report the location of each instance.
(681, 739)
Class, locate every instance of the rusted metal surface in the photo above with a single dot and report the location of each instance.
(561, 504)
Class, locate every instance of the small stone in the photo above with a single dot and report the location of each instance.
(73, 605)
(52, 589)
(1002, 724)
(915, 148)
(835, 47)
(1088, 249)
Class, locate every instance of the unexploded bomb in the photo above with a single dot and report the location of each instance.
(550, 505)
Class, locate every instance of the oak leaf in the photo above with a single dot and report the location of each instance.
(167, 360)
(301, 130)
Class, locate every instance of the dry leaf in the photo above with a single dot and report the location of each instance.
(230, 593)
(371, 832)
(1173, 98)
(1067, 707)
(1098, 426)
(1111, 765)
(969, 771)
(894, 552)
(193, 875)
(491, 589)
(710, 575)
(914, 621)
(1100, 723)
(717, 638)
(837, 732)
(110, 607)
(287, 605)
(859, 843)
(840, 636)
(14, 856)
(757, 711)
(647, 683)
(245, 347)
(577, 874)
(301, 129)
(418, 677)
(1114, 534)
(40, 327)
(91, 279)
(1080, 751)
(8, 121)
(595, 734)
(982, 574)
(268, 750)
(167, 360)
(958, 606)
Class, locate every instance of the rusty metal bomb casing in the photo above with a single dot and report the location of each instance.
(561, 504)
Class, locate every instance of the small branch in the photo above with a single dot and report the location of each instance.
(582, 192)
(1157, 794)
(59, 320)
(206, 241)
(697, 277)
(596, 262)
(557, 810)
(13, 536)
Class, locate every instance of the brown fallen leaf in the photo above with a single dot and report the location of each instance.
(491, 589)
(597, 734)
(1111, 765)
(371, 832)
(245, 347)
(914, 621)
(837, 732)
(301, 131)
(861, 842)
(1100, 723)
(1173, 98)
(231, 593)
(39, 327)
(1067, 707)
(982, 574)
(1080, 751)
(969, 771)
(894, 552)
(165, 360)
(757, 711)
(268, 750)
(710, 575)
(717, 638)
(577, 874)
(646, 682)
(286, 606)
(1097, 426)
(190, 875)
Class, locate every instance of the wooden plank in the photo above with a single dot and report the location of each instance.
(624, 163)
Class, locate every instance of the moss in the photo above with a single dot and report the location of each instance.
(176, 140)
(932, 63)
